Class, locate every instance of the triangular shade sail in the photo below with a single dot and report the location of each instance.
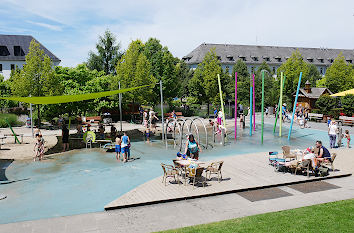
(69, 98)
(343, 93)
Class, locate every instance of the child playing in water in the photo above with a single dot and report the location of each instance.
(39, 148)
(117, 147)
(347, 136)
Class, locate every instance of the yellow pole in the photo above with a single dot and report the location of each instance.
(222, 103)
(281, 104)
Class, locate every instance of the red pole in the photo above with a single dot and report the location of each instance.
(254, 105)
(235, 105)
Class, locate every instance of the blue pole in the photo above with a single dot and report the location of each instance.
(294, 108)
(251, 98)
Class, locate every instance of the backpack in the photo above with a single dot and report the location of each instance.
(323, 171)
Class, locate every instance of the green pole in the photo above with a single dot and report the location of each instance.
(222, 103)
(277, 113)
(262, 106)
(281, 103)
(16, 139)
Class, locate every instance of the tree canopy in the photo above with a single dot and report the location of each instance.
(108, 53)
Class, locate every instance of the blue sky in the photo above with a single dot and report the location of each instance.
(70, 28)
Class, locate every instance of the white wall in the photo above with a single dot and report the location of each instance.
(6, 67)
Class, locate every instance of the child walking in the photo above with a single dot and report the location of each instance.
(39, 148)
(347, 136)
(118, 147)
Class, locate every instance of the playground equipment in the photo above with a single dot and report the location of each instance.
(235, 105)
(89, 138)
(294, 108)
(279, 107)
(175, 130)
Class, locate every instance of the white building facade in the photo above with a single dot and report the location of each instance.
(13, 51)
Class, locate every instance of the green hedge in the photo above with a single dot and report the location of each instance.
(11, 118)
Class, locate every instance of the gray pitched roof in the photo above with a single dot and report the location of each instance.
(255, 54)
(24, 42)
(315, 93)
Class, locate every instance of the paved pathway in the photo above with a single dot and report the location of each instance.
(182, 213)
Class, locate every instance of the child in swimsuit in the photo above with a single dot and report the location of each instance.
(39, 148)
(117, 147)
(347, 136)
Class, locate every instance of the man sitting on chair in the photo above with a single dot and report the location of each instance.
(323, 153)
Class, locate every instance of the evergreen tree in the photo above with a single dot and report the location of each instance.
(243, 82)
(108, 53)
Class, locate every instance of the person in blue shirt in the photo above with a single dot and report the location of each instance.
(125, 144)
(323, 153)
(215, 113)
(192, 148)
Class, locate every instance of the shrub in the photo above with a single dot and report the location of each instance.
(315, 110)
(348, 104)
(11, 118)
(326, 103)
(335, 113)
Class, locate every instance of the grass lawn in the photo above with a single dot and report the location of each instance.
(329, 217)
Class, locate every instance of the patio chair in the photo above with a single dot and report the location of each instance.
(287, 154)
(181, 170)
(215, 168)
(169, 171)
(305, 166)
(196, 174)
(330, 162)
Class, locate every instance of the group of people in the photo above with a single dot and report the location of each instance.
(122, 146)
(335, 134)
(149, 121)
(317, 154)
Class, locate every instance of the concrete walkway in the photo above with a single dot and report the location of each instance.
(183, 213)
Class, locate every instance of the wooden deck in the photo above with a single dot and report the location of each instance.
(240, 172)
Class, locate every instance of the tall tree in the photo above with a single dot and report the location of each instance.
(37, 76)
(339, 76)
(314, 75)
(270, 92)
(108, 53)
(292, 68)
(243, 82)
(134, 69)
(184, 75)
(163, 66)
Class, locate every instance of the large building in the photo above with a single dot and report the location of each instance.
(274, 56)
(13, 51)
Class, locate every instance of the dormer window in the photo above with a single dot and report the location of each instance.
(186, 58)
(310, 59)
(230, 58)
(4, 51)
(266, 58)
(278, 59)
(286, 58)
(18, 51)
(349, 61)
(254, 58)
(219, 58)
(330, 60)
(320, 59)
(243, 58)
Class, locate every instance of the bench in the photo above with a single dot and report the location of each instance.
(93, 119)
(347, 120)
(316, 116)
(11, 135)
(169, 114)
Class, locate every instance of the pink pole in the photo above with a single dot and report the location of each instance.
(235, 105)
(254, 105)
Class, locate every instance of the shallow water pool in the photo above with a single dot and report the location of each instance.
(85, 181)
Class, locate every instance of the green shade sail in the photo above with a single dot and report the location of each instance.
(69, 98)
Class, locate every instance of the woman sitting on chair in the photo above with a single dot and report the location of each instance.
(192, 147)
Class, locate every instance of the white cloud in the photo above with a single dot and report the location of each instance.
(46, 25)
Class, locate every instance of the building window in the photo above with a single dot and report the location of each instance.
(349, 61)
(267, 58)
(252, 69)
(12, 66)
(4, 51)
(0, 67)
(274, 69)
(230, 58)
(321, 70)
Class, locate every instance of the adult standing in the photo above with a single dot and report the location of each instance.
(332, 133)
(192, 148)
(125, 147)
(65, 137)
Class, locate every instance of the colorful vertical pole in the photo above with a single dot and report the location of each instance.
(294, 108)
(251, 98)
(254, 105)
(222, 103)
(277, 113)
(235, 105)
(262, 123)
(281, 103)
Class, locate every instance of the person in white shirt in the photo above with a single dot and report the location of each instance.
(332, 133)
